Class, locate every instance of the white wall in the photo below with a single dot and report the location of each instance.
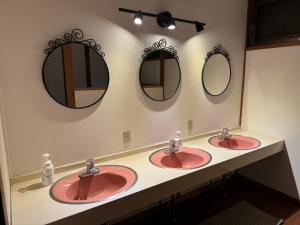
(37, 124)
(272, 106)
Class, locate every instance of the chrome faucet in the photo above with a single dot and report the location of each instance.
(174, 144)
(90, 169)
(225, 134)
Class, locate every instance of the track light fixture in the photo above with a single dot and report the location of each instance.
(164, 19)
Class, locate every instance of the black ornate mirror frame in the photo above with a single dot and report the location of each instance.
(218, 49)
(75, 36)
(160, 45)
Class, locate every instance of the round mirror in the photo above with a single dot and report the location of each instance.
(216, 73)
(160, 75)
(75, 75)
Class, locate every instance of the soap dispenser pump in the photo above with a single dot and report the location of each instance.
(47, 170)
(174, 144)
(178, 138)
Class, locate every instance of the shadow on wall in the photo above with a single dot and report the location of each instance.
(59, 112)
(270, 173)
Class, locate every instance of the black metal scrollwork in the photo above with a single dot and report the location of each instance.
(161, 45)
(219, 49)
(75, 36)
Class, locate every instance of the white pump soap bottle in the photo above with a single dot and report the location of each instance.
(47, 170)
(175, 144)
(178, 140)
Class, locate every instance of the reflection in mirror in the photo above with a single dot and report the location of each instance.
(75, 75)
(160, 75)
(216, 72)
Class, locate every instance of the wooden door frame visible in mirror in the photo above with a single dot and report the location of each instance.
(68, 74)
(74, 37)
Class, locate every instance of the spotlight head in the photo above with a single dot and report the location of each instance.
(199, 26)
(138, 18)
(172, 25)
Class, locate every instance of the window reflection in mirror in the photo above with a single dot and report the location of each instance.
(75, 75)
(160, 75)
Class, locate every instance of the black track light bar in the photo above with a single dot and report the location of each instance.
(158, 16)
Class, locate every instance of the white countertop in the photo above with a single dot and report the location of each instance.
(36, 207)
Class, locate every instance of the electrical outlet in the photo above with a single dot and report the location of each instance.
(190, 125)
(126, 137)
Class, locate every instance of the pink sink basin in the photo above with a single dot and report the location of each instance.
(185, 158)
(111, 181)
(235, 142)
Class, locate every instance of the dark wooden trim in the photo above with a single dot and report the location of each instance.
(89, 88)
(152, 85)
(162, 68)
(87, 66)
(263, 2)
(274, 45)
(68, 74)
(243, 89)
(249, 13)
(162, 72)
(250, 23)
(64, 79)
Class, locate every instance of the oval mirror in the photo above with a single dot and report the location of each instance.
(216, 72)
(75, 73)
(160, 74)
